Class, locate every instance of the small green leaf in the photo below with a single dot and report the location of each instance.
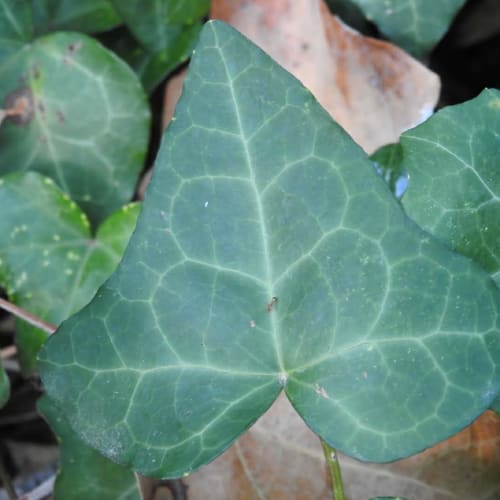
(4, 386)
(85, 121)
(49, 264)
(415, 25)
(167, 30)
(84, 473)
(269, 255)
(89, 16)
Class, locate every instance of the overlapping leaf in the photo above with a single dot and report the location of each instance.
(85, 120)
(454, 188)
(415, 25)
(21, 20)
(167, 31)
(270, 255)
(49, 263)
(84, 473)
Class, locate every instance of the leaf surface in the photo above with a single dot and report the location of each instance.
(85, 121)
(270, 255)
(167, 30)
(49, 263)
(84, 473)
(415, 25)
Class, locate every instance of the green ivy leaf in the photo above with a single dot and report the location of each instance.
(415, 25)
(49, 263)
(454, 187)
(90, 16)
(167, 30)
(269, 255)
(85, 121)
(83, 472)
(4, 386)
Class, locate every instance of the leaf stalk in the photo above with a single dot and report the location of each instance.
(27, 316)
(334, 470)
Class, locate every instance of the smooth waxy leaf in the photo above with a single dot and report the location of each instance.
(84, 473)
(49, 263)
(85, 121)
(270, 255)
(89, 16)
(415, 25)
(167, 30)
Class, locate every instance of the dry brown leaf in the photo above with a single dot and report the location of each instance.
(370, 87)
(279, 458)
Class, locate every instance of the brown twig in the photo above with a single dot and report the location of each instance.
(27, 316)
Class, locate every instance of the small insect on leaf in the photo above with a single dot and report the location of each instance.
(271, 304)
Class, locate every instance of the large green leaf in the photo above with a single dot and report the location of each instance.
(89, 16)
(49, 263)
(167, 31)
(85, 124)
(269, 255)
(84, 473)
(415, 25)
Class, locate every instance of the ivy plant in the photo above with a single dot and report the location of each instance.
(269, 256)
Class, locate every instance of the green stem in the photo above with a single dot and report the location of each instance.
(334, 470)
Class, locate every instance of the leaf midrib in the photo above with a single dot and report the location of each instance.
(260, 211)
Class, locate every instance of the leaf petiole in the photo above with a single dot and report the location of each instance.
(27, 316)
(334, 470)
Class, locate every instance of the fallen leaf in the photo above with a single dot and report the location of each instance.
(281, 458)
(370, 87)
